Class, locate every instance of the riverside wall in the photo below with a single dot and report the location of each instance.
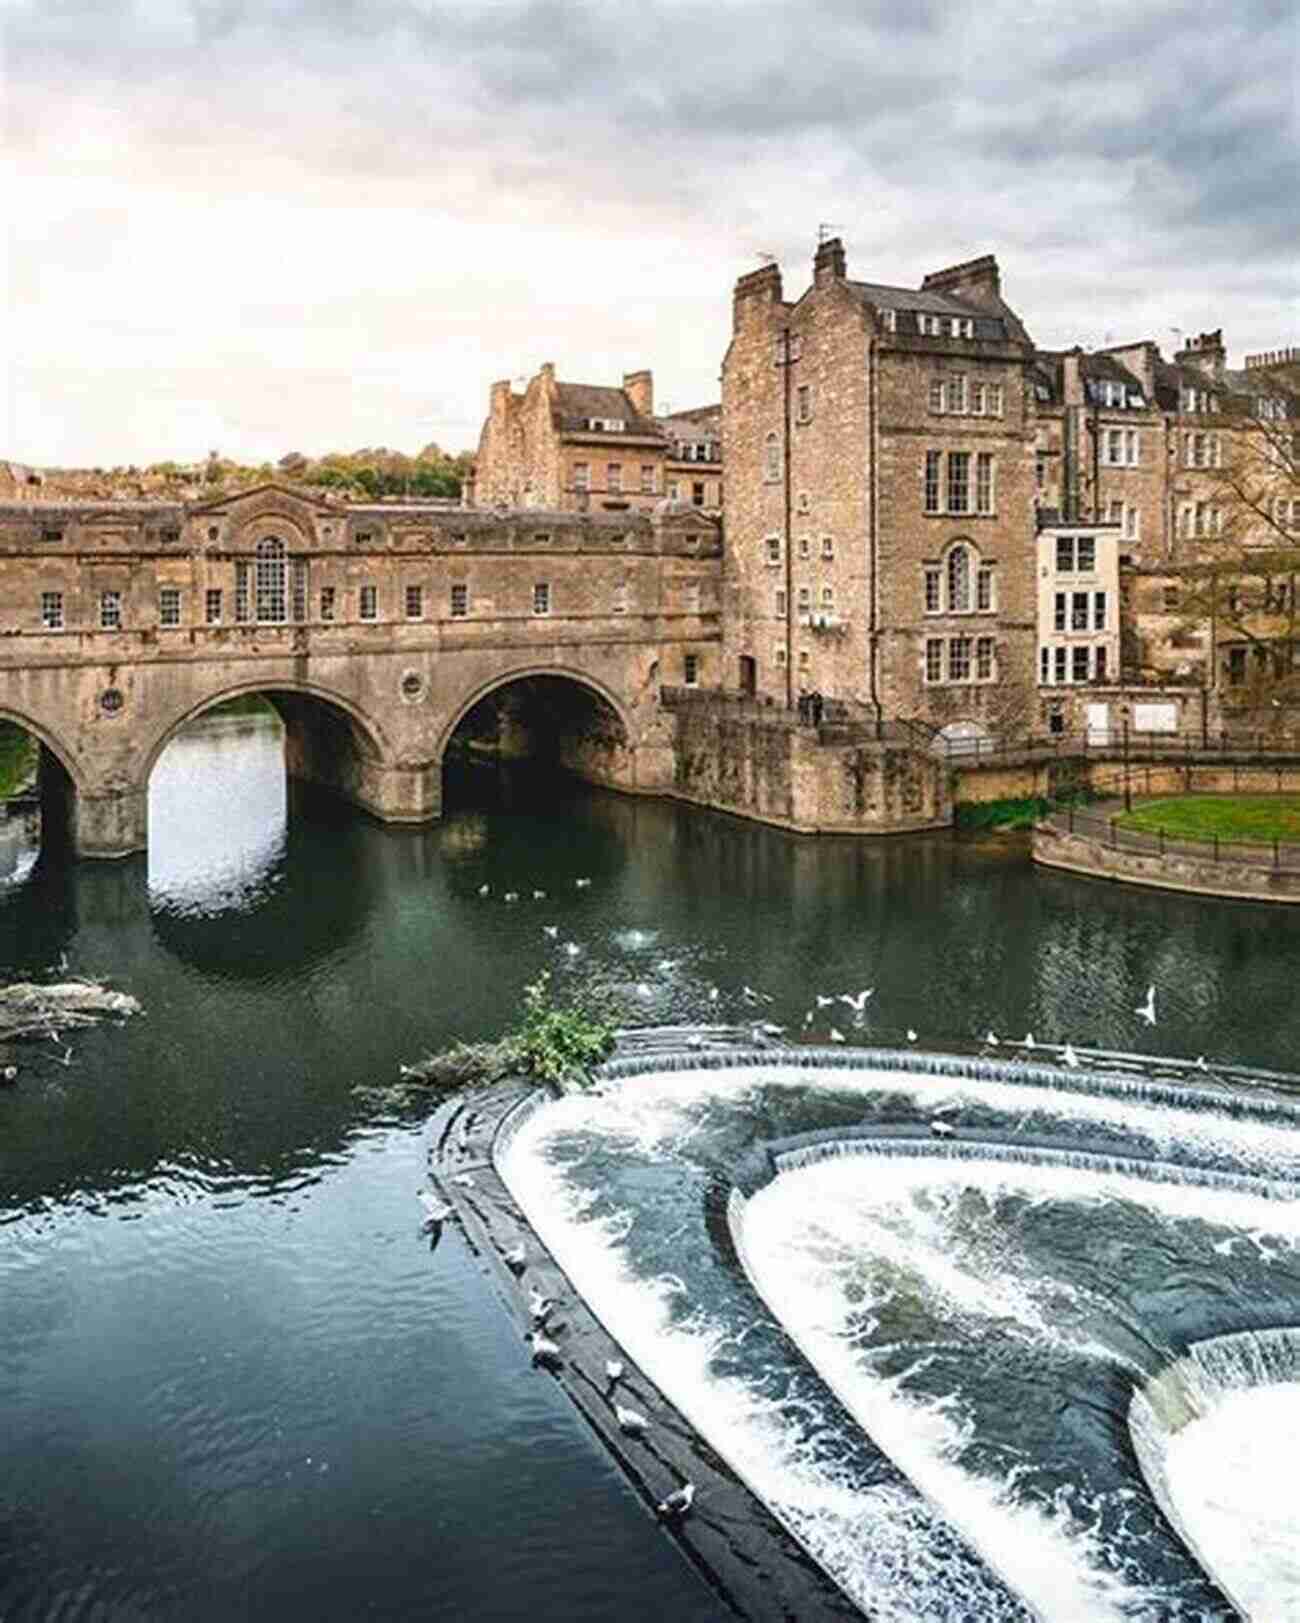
(1090, 853)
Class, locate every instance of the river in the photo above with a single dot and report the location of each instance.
(236, 1381)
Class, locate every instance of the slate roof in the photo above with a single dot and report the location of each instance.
(575, 403)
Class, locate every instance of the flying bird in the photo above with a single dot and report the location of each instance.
(677, 1504)
(911, 1035)
(539, 895)
(581, 884)
(551, 930)
(485, 890)
(858, 1003)
(1147, 1010)
(824, 1002)
(511, 896)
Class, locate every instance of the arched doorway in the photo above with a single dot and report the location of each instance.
(536, 728)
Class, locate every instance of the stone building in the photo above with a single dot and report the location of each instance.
(583, 447)
(880, 535)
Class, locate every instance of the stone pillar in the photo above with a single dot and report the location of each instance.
(408, 792)
(110, 822)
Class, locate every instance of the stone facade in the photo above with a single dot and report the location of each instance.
(581, 447)
(880, 502)
(375, 630)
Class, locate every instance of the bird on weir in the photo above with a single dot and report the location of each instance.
(677, 1504)
(1147, 1010)
(613, 1370)
(544, 1349)
(631, 1421)
(539, 1306)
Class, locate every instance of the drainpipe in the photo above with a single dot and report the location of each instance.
(788, 541)
(873, 596)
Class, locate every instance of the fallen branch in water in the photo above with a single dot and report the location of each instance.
(28, 1010)
(463, 1065)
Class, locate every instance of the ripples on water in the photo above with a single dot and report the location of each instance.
(236, 1382)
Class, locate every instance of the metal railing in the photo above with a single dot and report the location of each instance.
(1282, 855)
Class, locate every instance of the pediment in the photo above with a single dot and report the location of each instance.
(270, 497)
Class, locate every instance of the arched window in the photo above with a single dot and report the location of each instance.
(269, 582)
(959, 580)
(772, 459)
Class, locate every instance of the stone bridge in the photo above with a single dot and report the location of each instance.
(373, 630)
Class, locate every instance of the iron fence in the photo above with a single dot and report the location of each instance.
(1282, 855)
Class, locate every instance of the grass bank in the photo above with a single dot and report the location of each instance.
(976, 816)
(18, 759)
(1229, 817)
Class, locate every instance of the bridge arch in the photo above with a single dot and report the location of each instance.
(524, 673)
(64, 756)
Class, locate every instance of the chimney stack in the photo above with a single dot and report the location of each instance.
(754, 294)
(829, 264)
(1206, 353)
(640, 389)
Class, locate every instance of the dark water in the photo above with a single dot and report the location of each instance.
(235, 1381)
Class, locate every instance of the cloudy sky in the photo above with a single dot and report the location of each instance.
(272, 225)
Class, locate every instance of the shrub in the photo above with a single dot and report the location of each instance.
(559, 1043)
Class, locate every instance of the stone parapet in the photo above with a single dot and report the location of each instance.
(1088, 850)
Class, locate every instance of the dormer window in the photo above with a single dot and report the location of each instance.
(962, 327)
(607, 425)
(889, 320)
(930, 326)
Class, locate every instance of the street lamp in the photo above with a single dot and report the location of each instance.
(1128, 798)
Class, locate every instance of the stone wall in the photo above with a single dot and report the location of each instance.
(1082, 854)
(775, 771)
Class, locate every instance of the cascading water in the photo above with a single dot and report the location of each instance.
(978, 1312)
(1218, 1434)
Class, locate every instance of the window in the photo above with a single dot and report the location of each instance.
(805, 547)
(1058, 618)
(647, 479)
(674, 491)
(932, 589)
(459, 600)
(1170, 599)
(803, 505)
(242, 573)
(955, 394)
(542, 597)
(889, 320)
(697, 494)
(936, 394)
(52, 611)
(365, 538)
(804, 661)
(1079, 611)
(984, 589)
(582, 476)
(995, 397)
(212, 606)
(51, 532)
(1099, 611)
(984, 482)
(962, 327)
(1058, 665)
(369, 603)
(691, 670)
(828, 547)
(1099, 662)
(958, 580)
(1079, 663)
(779, 657)
(269, 581)
(773, 545)
(828, 597)
(614, 478)
(977, 399)
(959, 659)
(932, 461)
(1065, 555)
(169, 606)
(805, 597)
(771, 459)
(620, 598)
(298, 568)
(1132, 444)
(415, 602)
(959, 481)
(984, 659)
(110, 611)
(1113, 446)
(934, 659)
(930, 326)
(1086, 553)
(780, 605)
(327, 602)
(803, 403)
(1040, 470)
(1236, 666)
(691, 598)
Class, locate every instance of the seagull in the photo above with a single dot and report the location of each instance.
(857, 1004)
(9, 1073)
(676, 1504)
(539, 895)
(572, 948)
(769, 1029)
(644, 989)
(943, 1129)
(991, 1040)
(751, 996)
(1029, 1040)
(911, 1035)
(581, 884)
(808, 1018)
(551, 930)
(713, 994)
(1148, 1009)
(514, 1258)
(824, 1002)
(837, 1036)
(464, 1180)
(539, 1306)
(632, 1421)
(545, 1350)
(485, 890)
(511, 896)
(1200, 1065)
(1070, 1057)
(695, 1040)
(613, 1370)
(435, 1210)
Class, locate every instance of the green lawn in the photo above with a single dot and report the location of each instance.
(17, 759)
(1231, 817)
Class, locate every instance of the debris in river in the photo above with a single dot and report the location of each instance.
(28, 1010)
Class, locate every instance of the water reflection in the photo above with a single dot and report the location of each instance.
(218, 813)
(20, 843)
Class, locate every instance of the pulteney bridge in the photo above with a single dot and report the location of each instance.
(373, 630)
